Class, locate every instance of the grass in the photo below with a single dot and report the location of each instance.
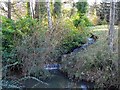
(95, 63)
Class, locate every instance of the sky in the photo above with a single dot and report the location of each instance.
(92, 1)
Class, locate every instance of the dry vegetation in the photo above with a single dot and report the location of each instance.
(38, 49)
(95, 63)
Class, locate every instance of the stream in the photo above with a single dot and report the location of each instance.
(57, 79)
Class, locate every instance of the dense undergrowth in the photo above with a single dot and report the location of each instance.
(29, 43)
(96, 63)
(32, 45)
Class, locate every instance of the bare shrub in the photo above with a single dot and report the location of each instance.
(39, 48)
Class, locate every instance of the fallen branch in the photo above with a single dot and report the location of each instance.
(35, 85)
(29, 77)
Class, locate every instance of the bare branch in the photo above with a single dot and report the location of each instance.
(29, 77)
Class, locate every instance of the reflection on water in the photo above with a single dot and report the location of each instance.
(58, 81)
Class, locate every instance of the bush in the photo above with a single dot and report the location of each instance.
(94, 64)
(83, 21)
(12, 30)
(73, 37)
(72, 41)
(13, 33)
(31, 44)
(32, 50)
(25, 25)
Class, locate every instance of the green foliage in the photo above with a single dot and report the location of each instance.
(8, 30)
(82, 7)
(9, 57)
(73, 37)
(73, 40)
(28, 38)
(81, 20)
(25, 25)
(12, 33)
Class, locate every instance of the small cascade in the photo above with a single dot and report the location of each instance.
(52, 66)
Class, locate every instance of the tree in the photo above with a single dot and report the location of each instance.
(36, 10)
(32, 4)
(82, 7)
(57, 8)
(82, 21)
(9, 9)
(49, 15)
(111, 25)
(28, 8)
(118, 12)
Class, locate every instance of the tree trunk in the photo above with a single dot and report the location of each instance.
(32, 5)
(36, 10)
(9, 9)
(118, 52)
(49, 15)
(28, 8)
(111, 26)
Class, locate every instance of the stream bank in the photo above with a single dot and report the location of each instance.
(69, 75)
(58, 79)
(93, 64)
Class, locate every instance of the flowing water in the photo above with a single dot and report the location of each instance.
(57, 80)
